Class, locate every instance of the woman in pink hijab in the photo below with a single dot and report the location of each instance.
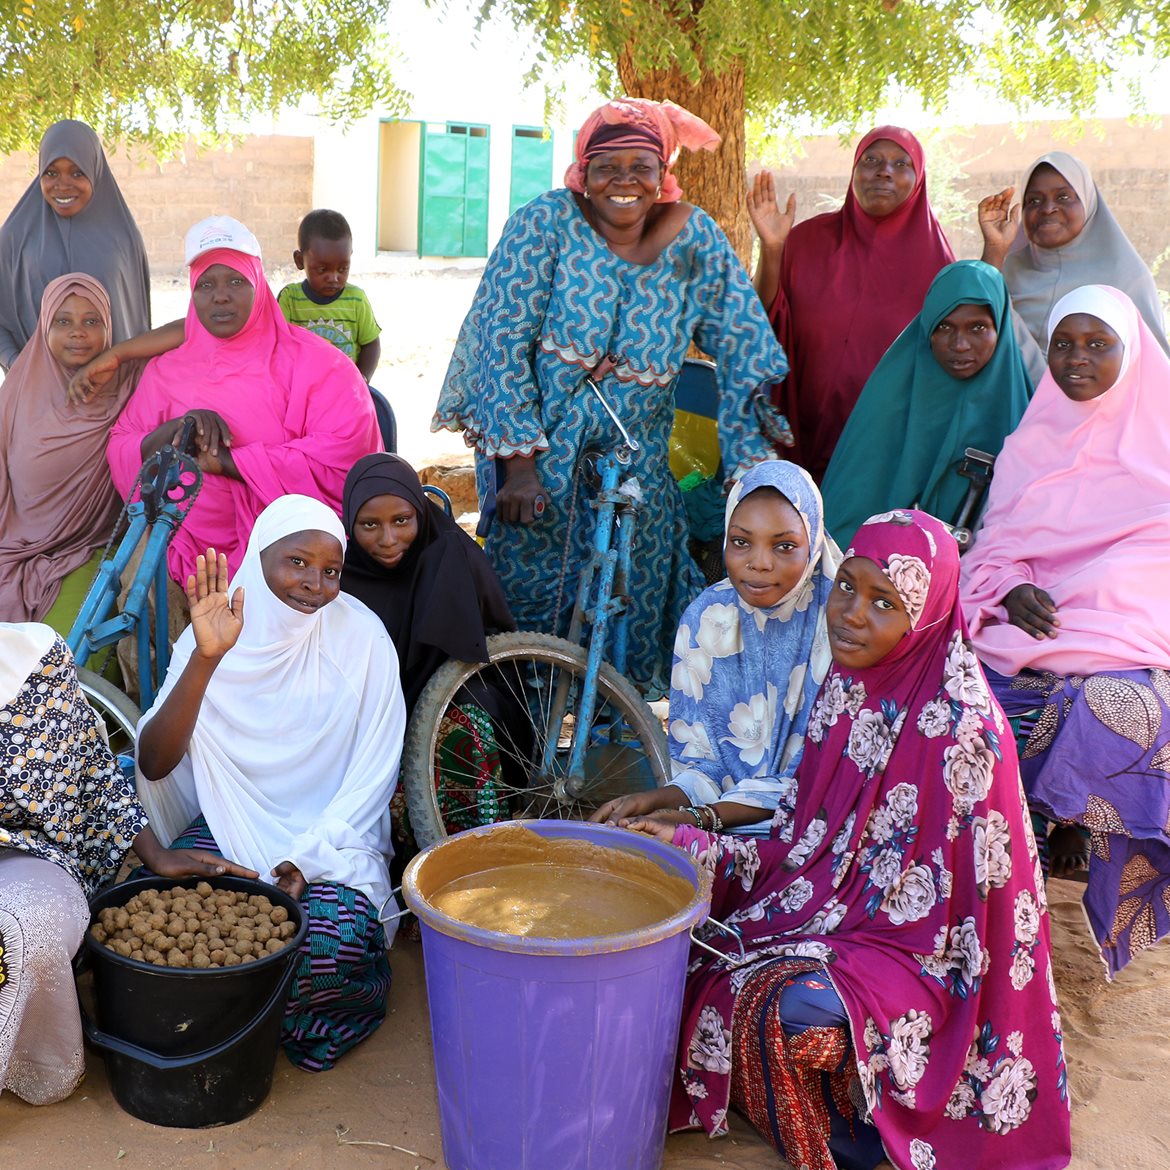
(57, 504)
(840, 287)
(1065, 593)
(278, 410)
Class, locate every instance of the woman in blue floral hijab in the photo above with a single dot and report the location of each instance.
(749, 657)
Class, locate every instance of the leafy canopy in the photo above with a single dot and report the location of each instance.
(149, 70)
(833, 62)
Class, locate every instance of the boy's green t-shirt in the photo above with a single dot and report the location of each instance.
(345, 321)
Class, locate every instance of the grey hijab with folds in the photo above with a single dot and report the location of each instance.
(1038, 277)
(37, 245)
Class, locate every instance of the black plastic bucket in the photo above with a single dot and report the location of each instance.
(185, 1047)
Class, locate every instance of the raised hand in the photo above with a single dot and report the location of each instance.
(999, 222)
(91, 378)
(1032, 610)
(772, 225)
(217, 622)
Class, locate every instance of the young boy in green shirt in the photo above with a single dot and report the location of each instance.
(326, 304)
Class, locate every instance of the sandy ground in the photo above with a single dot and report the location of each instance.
(383, 1093)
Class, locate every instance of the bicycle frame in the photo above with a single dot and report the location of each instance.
(160, 510)
(609, 565)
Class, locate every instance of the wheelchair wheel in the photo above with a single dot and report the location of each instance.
(118, 712)
(481, 733)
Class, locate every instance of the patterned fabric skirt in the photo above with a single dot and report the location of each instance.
(338, 994)
(794, 1072)
(470, 785)
(1097, 754)
(43, 916)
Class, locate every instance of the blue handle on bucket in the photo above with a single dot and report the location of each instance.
(103, 1040)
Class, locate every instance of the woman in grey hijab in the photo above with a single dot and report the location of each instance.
(1070, 239)
(72, 218)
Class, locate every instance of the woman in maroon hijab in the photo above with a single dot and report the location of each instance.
(840, 287)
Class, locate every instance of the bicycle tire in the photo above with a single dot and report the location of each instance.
(117, 709)
(641, 760)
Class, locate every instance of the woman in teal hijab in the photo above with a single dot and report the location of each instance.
(954, 378)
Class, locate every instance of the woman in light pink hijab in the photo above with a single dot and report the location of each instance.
(1065, 593)
(57, 504)
(279, 410)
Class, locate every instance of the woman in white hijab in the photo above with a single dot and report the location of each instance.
(276, 740)
(1070, 239)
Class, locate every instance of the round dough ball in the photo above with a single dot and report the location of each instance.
(278, 914)
(287, 929)
(99, 932)
(175, 927)
(201, 960)
(186, 941)
(273, 945)
(176, 958)
(231, 959)
(203, 889)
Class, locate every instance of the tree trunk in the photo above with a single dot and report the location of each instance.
(713, 181)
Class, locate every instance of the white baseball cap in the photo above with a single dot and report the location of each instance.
(219, 231)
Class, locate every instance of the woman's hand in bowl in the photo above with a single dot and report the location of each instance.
(638, 804)
(657, 826)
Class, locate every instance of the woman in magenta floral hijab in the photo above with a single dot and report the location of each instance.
(896, 1001)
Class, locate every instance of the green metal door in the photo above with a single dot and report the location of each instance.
(453, 190)
(532, 159)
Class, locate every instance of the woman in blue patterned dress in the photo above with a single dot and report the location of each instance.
(616, 265)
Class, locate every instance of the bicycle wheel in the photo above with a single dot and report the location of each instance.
(117, 710)
(455, 776)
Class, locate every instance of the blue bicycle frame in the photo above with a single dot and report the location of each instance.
(161, 510)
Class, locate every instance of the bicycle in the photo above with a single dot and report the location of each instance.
(167, 486)
(585, 734)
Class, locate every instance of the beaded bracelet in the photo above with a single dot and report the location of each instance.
(716, 820)
(696, 813)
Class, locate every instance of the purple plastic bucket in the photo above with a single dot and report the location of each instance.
(556, 1054)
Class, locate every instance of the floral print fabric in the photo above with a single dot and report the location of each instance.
(744, 678)
(63, 797)
(912, 876)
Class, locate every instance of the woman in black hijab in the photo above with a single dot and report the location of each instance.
(439, 599)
